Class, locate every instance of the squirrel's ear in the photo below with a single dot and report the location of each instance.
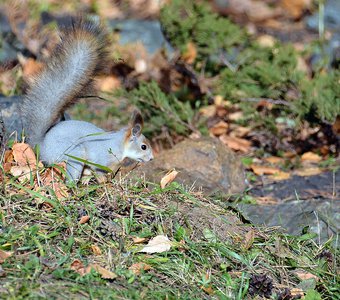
(136, 124)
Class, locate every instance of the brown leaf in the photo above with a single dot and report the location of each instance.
(280, 176)
(168, 178)
(308, 172)
(274, 160)
(137, 267)
(138, 240)
(208, 111)
(31, 67)
(78, 267)
(54, 178)
(190, 53)
(264, 170)
(208, 289)
(249, 239)
(311, 157)
(108, 84)
(306, 275)
(24, 155)
(266, 200)
(234, 143)
(96, 250)
(4, 255)
(220, 128)
(84, 219)
(238, 131)
(105, 274)
(235, 116)
(296, 7)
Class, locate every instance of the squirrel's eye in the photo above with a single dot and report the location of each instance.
(143, 147)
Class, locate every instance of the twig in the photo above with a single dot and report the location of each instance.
(269, 100)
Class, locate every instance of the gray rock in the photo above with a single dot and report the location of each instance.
(10, 114)
(205, 163)
(147, 31)
(322, 216)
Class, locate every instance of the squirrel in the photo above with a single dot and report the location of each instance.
(66, 77)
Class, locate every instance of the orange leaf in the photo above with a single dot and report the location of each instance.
(137, 267)
(138, 240)
(264, 170)
(219, 128)
(24, 155)
(280, 176)
(96, 250)
(78, 267)
(84, 219)
(249, 239)
(168, 178)
(208, 289)
(305, 275)
(4, 255)
(235, 143)
(274, 160)
(310, 156)
(308, 172)
(190, 53)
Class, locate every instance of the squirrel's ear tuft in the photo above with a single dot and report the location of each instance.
(136, 123)
(137, 119)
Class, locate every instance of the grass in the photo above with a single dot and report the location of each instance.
(214, 254)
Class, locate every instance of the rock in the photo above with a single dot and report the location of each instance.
(312, 201)
(10, 114)
(205, 163)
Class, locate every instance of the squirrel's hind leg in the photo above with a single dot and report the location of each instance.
(74, 169)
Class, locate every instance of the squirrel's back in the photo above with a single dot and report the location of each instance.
(66, 77)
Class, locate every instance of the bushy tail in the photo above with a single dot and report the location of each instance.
(65, 78)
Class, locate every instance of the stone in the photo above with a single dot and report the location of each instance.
(204, 163)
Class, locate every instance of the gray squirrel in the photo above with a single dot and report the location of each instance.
(66, 77)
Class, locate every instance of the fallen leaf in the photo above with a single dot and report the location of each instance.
(280, 176)
(208, 289)
(22, 172)
(308, 172)
(235, 116)
(296, 7)
(235, 143)
(138, 240)
(4, 255)
(311, 157)
(84, 219)
(168, 178)
(78, 267)
(274, 160)
(108, 83)
(266, 40)
(158, 244)
(137, 267)
(31, 67)
(238, 131)
(96, 250)
(190, 54)
(220, 128)
(249, 239)
(24, 155)
(306, 275)
(54, 178)
(264, 170)
(208, 111)
(105, 274)
(266, 200)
